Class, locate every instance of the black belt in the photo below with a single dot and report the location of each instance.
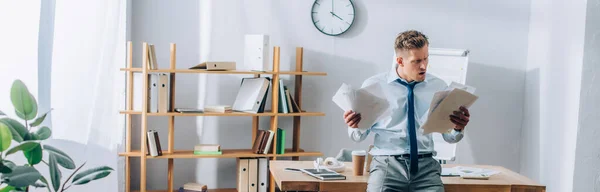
(419, 156)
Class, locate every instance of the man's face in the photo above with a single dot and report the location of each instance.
(413, 64)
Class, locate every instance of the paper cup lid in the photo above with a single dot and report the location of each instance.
(359, 152)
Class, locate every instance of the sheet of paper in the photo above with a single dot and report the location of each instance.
(461, 170)
(368, 101)
(444, 104)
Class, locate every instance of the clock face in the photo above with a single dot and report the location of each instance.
(333, 17)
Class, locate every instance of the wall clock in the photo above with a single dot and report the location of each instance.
(333, 17)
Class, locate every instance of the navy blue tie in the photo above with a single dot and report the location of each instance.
(412, 132)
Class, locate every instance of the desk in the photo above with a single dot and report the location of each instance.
(506, 180)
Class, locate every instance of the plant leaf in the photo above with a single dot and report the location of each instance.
(7, 189)
(34, 156)
(91, 178)
(43, 180)
(21, 176)
(25, 147)
(5, 137)
(24, 103)
(39, 120)
(9, 164)
(17, 129)
(30, 137)
(39, 185)
(55, 174)
(61, 157)
(43, 133)
(93, 171)
(2, 113)
(4, 168)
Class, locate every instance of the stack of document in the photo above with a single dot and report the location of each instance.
(444, 103)
(368, 101)
(467, 171)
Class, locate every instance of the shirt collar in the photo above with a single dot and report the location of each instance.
(393, 76)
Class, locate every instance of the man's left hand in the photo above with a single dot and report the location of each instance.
(460, 118)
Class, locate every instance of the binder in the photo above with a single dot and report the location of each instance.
(163, 93)
(242, 172)
(153, 100)
(252, 175)
(280, 141)
(251, 95)
(263, 174)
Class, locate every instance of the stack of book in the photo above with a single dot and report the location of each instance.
(264, 139)
(218, 108)
(193, 187)
(153, 144)
(207, 149)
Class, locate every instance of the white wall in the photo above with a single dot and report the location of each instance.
(214, 30)
(587, 170)
(554, 62)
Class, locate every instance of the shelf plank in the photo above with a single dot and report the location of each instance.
(199, 114)
(139, 70)
(227, 153)
(197, 71)
(302, 73)
(302, 114)
(209, 190)
(268, 113)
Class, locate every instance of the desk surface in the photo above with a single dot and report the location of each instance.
(506, 180)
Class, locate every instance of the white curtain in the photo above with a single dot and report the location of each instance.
(86, 84)
(19, 21)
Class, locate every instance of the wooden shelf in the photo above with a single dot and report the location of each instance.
(139, 70)
(198, 71)
(302, 73)
(226, 114)
(209, 190)
(227, 153)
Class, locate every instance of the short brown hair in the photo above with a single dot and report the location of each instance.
(410, 39)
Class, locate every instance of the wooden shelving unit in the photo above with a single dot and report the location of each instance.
(295, 152)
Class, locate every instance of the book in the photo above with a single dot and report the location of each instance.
(207, 147)
(218, 108)
(258, 141)
(208, 152)
(289, 100)
(195, 187)
(269, 141)
(152, 148)
(280, 141)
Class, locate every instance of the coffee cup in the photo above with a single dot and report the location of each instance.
(358, 161)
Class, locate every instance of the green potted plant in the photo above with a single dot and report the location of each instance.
(29, 137)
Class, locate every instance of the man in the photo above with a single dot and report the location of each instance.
(402, 154)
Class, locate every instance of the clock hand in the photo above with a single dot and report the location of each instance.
(336, 16)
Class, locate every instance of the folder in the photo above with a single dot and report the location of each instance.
(153, 100)
(252, 175)
(263, 174)
(242, 172)
(251, 95)
(216, 66)
(163, 93)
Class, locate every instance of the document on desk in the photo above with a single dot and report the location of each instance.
(368, 101)
(445, 103)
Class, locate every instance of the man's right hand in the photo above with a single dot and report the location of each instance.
(352, 118)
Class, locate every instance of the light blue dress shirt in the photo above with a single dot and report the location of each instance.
(391, 134)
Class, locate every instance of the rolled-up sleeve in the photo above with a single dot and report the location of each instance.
(453, 136)
(357, 135)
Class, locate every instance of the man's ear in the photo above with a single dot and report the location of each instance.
(399, 61)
